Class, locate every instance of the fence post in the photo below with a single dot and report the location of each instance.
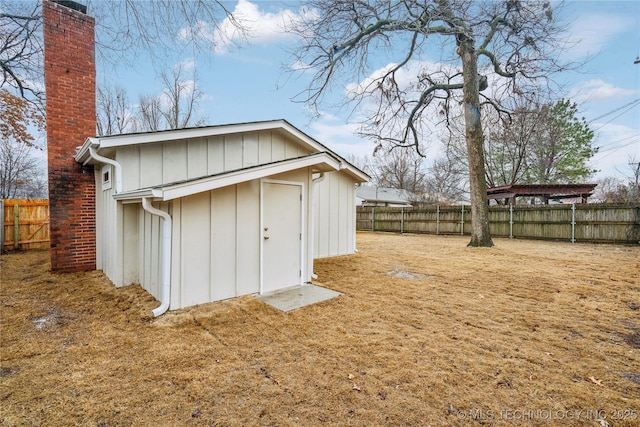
(1, 225)
(437, 219)
(573, 222)
(373, 218)
(462, 222)
(16, 224)
(402, 220)
(510, 221)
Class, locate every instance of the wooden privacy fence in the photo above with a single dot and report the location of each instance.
(25, 224)
(601, 223)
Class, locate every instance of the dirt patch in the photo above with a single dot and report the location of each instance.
(427, 332)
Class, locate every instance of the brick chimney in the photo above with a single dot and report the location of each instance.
(70, 84)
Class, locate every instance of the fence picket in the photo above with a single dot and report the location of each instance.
(592, 222)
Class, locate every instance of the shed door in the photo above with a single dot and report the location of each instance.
(281, 236)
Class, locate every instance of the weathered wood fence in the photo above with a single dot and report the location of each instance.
(601, 223)
(25, 224)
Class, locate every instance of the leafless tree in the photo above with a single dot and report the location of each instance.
(125, 30)
(21, 175)
(446, 180)
(114, 115)
(514, 42)
(175, 107)
(21, 48)
(400, 169)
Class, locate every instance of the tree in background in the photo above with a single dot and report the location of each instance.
(514, 41)
(21, 174)
(399, 169)
(174, 108)
(564, 146)
(125, 30)
(538, 143)
(113, 115)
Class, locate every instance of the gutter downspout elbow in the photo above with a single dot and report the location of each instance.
(118, 169)
(166, 255)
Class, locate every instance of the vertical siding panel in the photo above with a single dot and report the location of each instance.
(195, 243)
(277, 147)
(129, 159)
(334, 214)
(324, 206)
(223, 241)
(174, 161)
(264, 147)
(291, 149)
(150, 165)
(248, 238)
(130, 244)
(215, 155)
(196, 158)
(232, 152)
(176, 254)
(343, 215)
(250, 149)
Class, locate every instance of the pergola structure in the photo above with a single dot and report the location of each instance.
(544, 191)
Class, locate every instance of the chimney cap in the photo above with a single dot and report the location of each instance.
(72, 5)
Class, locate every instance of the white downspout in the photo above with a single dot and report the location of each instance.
(118, 169)
(314, 206)
(166, 255)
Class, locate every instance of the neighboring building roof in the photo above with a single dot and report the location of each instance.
(373, 194)
(114, 141)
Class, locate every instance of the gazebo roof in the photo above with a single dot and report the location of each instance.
(547, 191)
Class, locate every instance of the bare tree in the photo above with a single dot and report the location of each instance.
(512, 40)
(175, 107)
(113, 111)
(21, 174)
(181, 99)
(446, 180)
(400, 169)
(21, 48)
(125, 30)
(149, 117)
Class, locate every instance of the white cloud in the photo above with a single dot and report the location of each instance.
(598, 90)
(256, 27)
(617, 143)
(590, 33)
(340, 137)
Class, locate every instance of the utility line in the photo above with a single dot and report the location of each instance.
(635, 101)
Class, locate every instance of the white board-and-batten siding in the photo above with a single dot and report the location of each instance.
(149, 165)
(216, 234)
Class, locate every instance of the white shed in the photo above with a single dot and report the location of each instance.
(205, 214)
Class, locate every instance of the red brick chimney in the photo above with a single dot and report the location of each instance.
(70, 84)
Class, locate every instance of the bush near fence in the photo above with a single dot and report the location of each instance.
(598, 223)
(25, 224)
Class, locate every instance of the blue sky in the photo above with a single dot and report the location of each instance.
(252, 82)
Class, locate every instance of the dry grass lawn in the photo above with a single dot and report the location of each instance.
(428, 332)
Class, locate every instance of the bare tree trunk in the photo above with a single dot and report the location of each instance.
(480, 235)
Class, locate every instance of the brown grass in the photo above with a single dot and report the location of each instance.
(428, 332)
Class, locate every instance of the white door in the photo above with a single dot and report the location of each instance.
(282, 235)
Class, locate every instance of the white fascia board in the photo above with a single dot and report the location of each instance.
(137, 195)
(325, 160)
